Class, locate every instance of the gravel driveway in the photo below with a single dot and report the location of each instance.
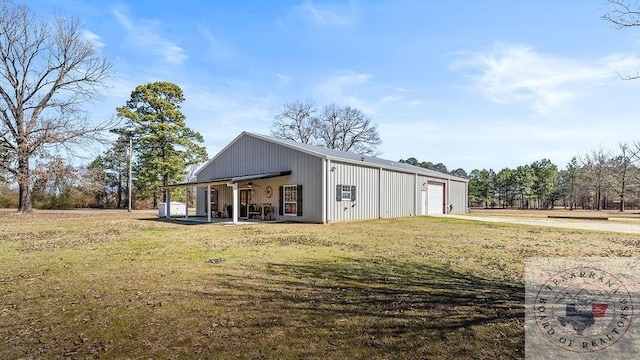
(614, 225)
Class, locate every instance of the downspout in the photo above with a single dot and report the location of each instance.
(415, 195)
(448, 200)
(380, 193)
(325, 192)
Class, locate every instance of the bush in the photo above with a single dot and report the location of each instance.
(8, 198)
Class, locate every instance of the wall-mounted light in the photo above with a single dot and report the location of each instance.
(333, 168)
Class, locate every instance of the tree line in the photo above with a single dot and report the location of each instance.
(597, 180)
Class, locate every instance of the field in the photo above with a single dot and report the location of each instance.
(89, 284)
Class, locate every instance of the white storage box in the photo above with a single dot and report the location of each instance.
(177, 209)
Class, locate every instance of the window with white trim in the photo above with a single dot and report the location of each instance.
(346, 192)
(290, 202)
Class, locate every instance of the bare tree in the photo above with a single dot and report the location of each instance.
(295, 121)
(347, 129)
(618, 175)
(336, 127)
(596, 167)
(47, 70)
(624, 14)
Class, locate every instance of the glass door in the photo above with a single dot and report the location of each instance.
(245, 200)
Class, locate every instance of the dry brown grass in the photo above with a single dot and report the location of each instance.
(118, 285)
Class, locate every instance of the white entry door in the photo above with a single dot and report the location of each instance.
(435, 193)
(425, 202)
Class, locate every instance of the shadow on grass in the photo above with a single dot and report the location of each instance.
(199, 220)
(391, 307)
(181, 221)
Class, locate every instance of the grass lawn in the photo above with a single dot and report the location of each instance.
(116, 285)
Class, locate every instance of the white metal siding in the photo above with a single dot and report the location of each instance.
(249, 155)
(435, 199)
(365, 179)
(458, 196)
(397, 194)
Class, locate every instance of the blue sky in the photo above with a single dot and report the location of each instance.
(471, 84)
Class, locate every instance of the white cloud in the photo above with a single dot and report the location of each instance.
(120, 88)
(145, 35)
(216, 111)
(518, 74)
(283, 79)
(358, 90)
(343, 88)
(390, 99)
(93, 38)
(325, 14)
(416, 102)
(216, 48)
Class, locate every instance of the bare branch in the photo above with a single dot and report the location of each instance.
(47, 72)
(295, 121)
(623, 15)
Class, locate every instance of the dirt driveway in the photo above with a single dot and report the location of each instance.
(620, 225)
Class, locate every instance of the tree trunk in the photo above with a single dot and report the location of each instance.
(622, 194)
(119, 196)
(25, 204)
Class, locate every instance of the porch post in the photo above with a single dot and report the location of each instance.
(208, 203)
(235, 203)
(186, 203)
(168, 204)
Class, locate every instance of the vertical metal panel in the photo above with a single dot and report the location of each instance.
(397, 194)
(365, 180)
(458, 196)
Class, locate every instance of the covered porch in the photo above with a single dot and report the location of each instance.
(240, 205)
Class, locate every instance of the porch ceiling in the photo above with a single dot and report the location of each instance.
(229, 180)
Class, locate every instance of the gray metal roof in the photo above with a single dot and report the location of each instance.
(340, 155)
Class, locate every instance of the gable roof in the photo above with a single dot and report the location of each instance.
(344, 156)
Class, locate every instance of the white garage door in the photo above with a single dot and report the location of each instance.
(435, 193)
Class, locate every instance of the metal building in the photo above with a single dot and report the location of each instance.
(262, 177)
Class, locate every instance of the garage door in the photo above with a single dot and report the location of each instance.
(435, 202)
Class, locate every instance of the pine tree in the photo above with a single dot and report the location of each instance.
(164, 145)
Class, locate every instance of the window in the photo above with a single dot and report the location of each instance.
(290, 199)
(214, 199)
(345, 192)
